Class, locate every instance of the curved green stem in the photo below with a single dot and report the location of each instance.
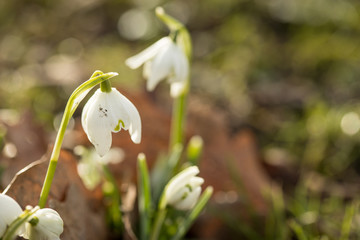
(105, 86)
(181, 35)
(74, 100)
(176, 27)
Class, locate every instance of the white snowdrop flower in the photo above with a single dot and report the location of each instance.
(183, 190)
(163, 59)
(107, 112)
(9, 211)
(48, 225)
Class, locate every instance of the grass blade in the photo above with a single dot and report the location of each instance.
(144, 196)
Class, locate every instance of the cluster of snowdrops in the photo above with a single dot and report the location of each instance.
(109, 111)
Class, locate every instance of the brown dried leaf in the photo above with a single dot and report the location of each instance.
(80, 209)
(29, 141)
(80, 220)
(128, 205)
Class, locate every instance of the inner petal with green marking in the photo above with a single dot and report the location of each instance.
(117, 128)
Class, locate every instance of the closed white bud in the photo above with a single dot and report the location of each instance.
(47, 225)
(183, 190)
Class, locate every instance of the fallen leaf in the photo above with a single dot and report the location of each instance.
(81, 210)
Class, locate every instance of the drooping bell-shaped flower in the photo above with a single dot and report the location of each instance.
(183, 190)
(48, 225)
(107, 112)
(9, 211)
(163, 60)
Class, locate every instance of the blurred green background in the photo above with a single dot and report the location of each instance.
(288, 69)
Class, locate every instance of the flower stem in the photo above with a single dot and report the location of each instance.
(105, 86)
(160, 217)
(181, 36)
(178, 121)
(54, 158)
(70, 108)
(47, 182)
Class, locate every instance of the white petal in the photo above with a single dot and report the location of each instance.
(101, 139)
(99, 124)
(161, 67)
(137, 60)
(49, 227)
(147, 69)
(180, 180)
(180, 64)
(190, 201)
(176, 196)
(117, 111)
(50, 222)
(196, 182)
(85, 111)
(133, 115)
(9, 211)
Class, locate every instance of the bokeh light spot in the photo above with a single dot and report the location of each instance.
(350, 123)
(133, 24)
(10, 150)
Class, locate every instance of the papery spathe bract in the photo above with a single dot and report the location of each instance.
(107, 112)
(9, 211)
(49, 225)
(164, 59)
(183, 190)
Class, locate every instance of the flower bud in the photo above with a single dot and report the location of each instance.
(183, 190)
(194, 149)
(46, 224)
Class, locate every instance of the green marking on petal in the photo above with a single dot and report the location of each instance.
(117, 128)
(184, 196)
(189, 187)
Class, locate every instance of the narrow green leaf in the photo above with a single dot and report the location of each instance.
(159, 220)
(350, 212)
(298, 230)
(111, 191)
(164, 170)
(195, 212)
(144, 197)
